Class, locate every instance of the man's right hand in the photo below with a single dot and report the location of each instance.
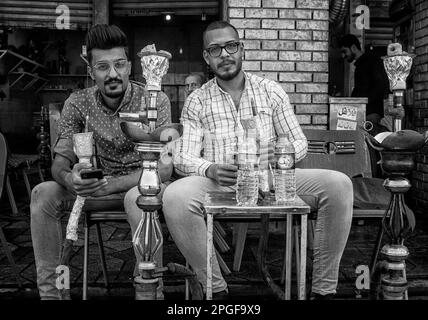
(223, 174)
(83, 187)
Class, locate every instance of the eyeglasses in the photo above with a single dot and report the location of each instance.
(105, 67)
(231, 47)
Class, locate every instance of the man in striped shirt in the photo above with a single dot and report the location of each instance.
(211, 119)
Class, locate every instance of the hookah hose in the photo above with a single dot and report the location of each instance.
(73, 221)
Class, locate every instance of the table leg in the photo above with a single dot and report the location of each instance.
(288, 256)
(209, 255)
(303, 245)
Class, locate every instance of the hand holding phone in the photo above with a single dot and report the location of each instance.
(92, 173)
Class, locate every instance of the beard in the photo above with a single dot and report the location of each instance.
(228, 75)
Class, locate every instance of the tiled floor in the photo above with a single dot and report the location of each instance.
(245, 283)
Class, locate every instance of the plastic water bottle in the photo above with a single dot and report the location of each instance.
(284, 172)
(247, 185)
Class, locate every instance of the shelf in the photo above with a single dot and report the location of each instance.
(33, 74)
(22, 59)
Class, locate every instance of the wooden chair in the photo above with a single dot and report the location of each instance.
(3, 177)
(347, 152)
(96, 217)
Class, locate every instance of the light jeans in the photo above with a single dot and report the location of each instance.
(329, 192)
(49, 201)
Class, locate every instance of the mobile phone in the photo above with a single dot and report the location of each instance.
(90, 174)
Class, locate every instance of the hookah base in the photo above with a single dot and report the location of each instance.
(145, 289)
(393, 289)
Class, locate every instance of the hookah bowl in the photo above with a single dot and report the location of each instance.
(397, 65)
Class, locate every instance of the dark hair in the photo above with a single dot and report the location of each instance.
(218, 25)
(103, 36)
(348, 40)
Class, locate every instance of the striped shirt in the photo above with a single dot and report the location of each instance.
(115, 152)
(212, 123)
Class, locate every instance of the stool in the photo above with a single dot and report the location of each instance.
(223, 205)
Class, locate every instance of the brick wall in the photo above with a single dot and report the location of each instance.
(287, 41)
(420, 175)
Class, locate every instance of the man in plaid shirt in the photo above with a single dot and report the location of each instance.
(211, 119)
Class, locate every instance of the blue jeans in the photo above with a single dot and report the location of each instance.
(329, 192)
(49, 201)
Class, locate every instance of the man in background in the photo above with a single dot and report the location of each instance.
(370, 79)
(191, 82)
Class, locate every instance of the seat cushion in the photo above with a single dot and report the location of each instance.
(113, 202)
(369, 193)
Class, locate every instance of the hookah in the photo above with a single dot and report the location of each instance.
(150, 143)
(397, 150)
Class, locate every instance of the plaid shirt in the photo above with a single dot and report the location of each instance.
(115, 152)
(212, 123)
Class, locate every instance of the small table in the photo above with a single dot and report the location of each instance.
(222, 205)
